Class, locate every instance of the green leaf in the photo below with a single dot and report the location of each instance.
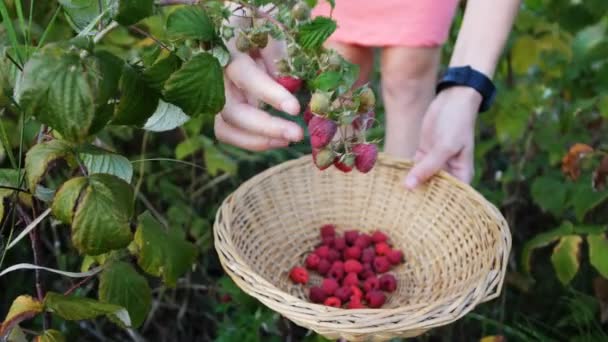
(542, 240)
(137, 101)
(40, 156)
(598, 253)
(198, 87)
(216, 160)
(603, 105)
(190, 22)
(99, 208)
(525, 53)
(50, 335)
(97, 160)
(120, 284)
(166, 118)
(23, 307)
(64, 90)
(313, 34)
(586, 40)
(157, 74)
(132, 11)
(565, 258)
(327, 81)
(585, 199)
(161, 253)
(82, 12)
(73, 308)
(550, 194)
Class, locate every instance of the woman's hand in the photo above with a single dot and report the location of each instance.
(249, 80)
(447, 137)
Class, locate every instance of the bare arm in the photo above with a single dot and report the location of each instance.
(447, 139)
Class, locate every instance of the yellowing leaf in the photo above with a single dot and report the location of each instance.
(565, 258)
(50, 335)
(23, 308)
(493, 338)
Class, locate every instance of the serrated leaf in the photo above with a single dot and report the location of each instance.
(565, 258)
(550, 194)
(120, 284)
(190, 22)
(40, 156)
(166, 118)
(97, 160)
(216, 160)
(137, 101)
(99, 208)
(73, 308)
(132, 11)
(313, 34)
(198, 87)
(161, 253)
(82, 12)
(327, 81)
(585, 199)
(161, 70)
(23, 308)
(64, 90)
(90, 260)
(542, 240)
(598, 252)
(50, 335)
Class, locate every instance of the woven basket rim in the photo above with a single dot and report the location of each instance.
(239, 268)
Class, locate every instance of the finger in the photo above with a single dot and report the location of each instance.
(430, 164)
(255, 121)
(246, 75)
(275, 51)
(463, 166)
(251, 98)
(240, 138)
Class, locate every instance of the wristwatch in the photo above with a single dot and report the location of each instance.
(469, 77)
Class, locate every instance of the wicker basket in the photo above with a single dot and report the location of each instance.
(455, 244)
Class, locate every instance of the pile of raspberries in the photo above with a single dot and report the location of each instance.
(354, 267)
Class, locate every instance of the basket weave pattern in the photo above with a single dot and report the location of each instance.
(455, 244)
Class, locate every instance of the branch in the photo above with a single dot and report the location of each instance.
(99, 36)
(146, 34)
(78, 285)
(265, 15)
(176, 2)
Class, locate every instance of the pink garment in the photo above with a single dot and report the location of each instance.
(377, 23)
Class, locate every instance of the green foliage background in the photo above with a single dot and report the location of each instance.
(553, 92)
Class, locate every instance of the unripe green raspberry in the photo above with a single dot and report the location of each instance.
(319, 103)
(301, 11)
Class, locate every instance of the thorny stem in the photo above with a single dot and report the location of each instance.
(78, 285)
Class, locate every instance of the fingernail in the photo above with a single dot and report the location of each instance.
(292, 134)
(290, 106)
(411, 182)
(277, 143)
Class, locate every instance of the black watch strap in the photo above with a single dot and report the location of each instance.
(467, 76)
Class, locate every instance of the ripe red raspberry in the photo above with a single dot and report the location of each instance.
(388, 283)
(364, 121)
(350, 236)
(329, 285)
(333, 302)
(367, 273)
(363, 241)
(299, 275)
(381, 264)
(375, 299)
(379, 236)
(355, 303)
(352, 253)
(370, 284)
(308, 115)
(356, 291)
(343, 293)
(321, 131)
(350, 280)
(322, 251)
(337, 270)
(324, 266)
(328, 241)
(323, 158)
(292, 84)
(317, 295)
(334, 255)
(339, 244)
(312, 261)
(226, 298)
(365, 156)
(382, 248)
(368, 255)
(328, 230)
(395, 257)
(353, 266)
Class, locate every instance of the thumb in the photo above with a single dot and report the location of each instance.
(428, 165)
